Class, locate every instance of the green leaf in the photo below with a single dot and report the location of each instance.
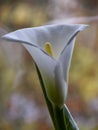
(70, 123)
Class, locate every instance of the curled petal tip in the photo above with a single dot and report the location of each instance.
(83, 26)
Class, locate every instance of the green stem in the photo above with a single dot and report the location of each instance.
(59, 118)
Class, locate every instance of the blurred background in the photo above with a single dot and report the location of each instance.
(22, 105)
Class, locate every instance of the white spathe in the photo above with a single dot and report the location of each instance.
(54, 71)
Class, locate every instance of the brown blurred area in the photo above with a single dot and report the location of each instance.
(22, 104)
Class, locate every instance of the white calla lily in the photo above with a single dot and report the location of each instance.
(54, 71)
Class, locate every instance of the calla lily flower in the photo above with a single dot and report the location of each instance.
(53, 69)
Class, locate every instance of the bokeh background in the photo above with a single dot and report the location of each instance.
(22, 105)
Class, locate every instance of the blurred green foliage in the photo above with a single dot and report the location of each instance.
(22, 14)
(84, 72)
